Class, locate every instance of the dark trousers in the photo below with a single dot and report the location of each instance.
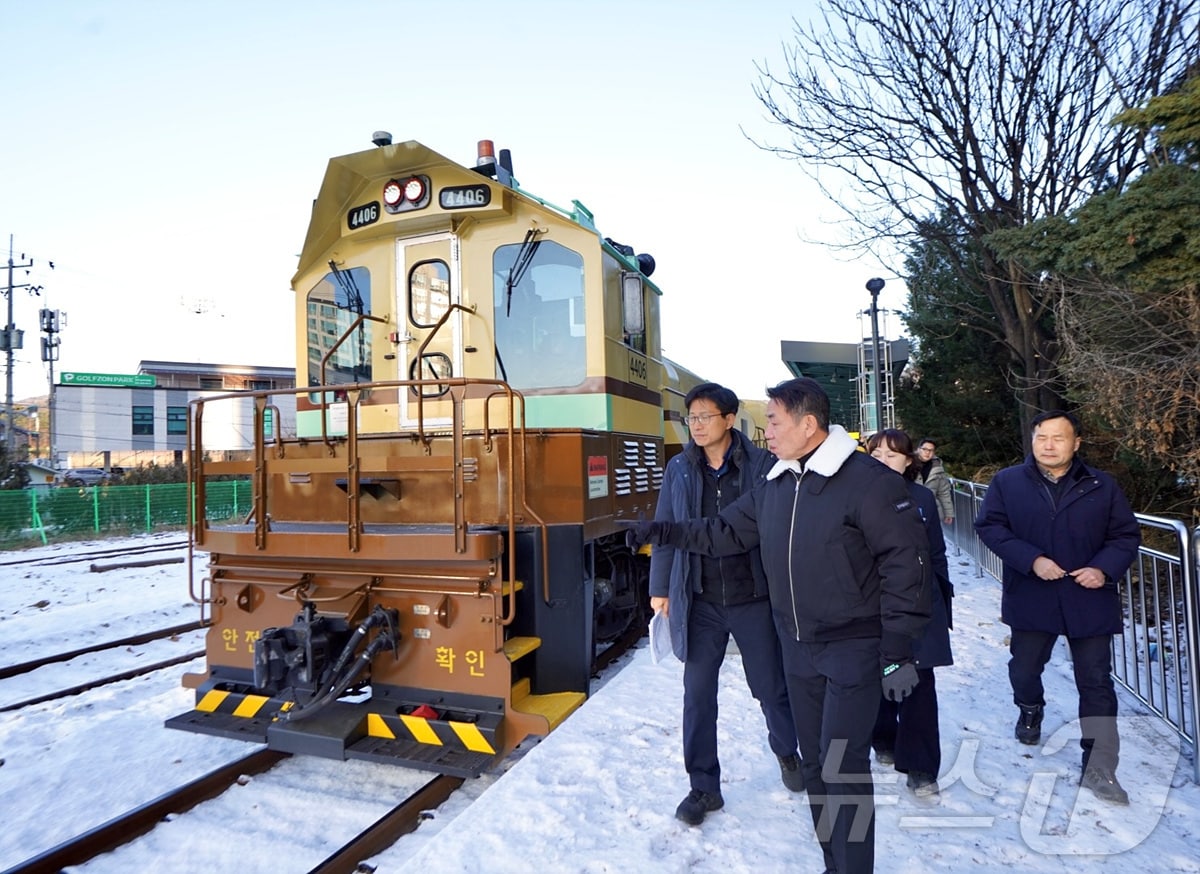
(1091, 658)
(835, 693)
(709, 628)
(910, 728)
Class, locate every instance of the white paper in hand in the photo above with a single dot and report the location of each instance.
(660, 637)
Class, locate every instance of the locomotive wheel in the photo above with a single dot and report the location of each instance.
(622, 597)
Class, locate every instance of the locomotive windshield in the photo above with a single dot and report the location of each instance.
(333, 305)
(540, 328)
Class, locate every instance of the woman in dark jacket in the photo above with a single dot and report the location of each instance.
(906, 733)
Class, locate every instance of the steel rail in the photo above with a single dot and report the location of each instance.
(103, 681)
(133, 640)
(89, 556)
(385, 831)
(124, 828)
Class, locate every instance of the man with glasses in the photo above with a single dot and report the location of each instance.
(708, 599)
(847, 559)
(932, 475)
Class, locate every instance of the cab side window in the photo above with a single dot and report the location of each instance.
(333, 304)
(633, 311)
(539, 315)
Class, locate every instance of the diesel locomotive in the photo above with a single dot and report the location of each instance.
(433, 558)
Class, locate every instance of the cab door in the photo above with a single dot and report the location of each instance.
(427, 278)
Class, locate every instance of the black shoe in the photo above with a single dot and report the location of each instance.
(789, 770)
(1029, 724)
(885, 757)
(1103, 782)
(922, 785)
(697, 805)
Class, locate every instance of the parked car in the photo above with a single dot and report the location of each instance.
(84, 476)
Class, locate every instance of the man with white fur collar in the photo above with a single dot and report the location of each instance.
(847, 563)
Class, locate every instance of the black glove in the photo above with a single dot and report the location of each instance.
(642, 531)
(899, 680)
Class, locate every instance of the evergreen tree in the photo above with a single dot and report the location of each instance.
(954, 390)
(1126, 267)
(12, 475)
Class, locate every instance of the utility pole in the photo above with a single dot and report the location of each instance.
(50, 327)
(11, 340)
(875, 286)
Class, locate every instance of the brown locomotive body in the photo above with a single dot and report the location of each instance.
(433, 556)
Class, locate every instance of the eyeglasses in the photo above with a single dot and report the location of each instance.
(703, 418)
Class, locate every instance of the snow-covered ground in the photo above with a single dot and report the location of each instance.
(596, 796)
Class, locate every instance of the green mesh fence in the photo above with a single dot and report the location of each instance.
(31, 515)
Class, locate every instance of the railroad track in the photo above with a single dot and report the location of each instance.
(94, 555)
(385, 831)
(381, 834)
(623, 644)
(136, 822)
(402, 819)
(132, 640)
(104, 681)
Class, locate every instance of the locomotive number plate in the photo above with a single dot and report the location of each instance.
(464, 196)
(364, 215)
(638, 369)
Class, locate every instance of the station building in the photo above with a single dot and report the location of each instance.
(846, 371)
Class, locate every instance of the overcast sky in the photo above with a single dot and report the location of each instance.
(165, 155)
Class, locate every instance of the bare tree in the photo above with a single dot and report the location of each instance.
(992, 113)
(1138, 353)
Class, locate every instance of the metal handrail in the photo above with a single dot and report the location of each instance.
(325, 360)
(1184, 717)
(354, 393)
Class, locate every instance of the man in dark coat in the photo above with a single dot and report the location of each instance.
(708, 599)
(847, 561)
(1066, 534)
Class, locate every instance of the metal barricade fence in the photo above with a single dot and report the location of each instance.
(1156, 658)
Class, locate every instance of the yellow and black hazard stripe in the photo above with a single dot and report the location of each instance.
(238, 704)
(477, 737)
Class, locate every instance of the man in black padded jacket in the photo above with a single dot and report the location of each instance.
(847, 563)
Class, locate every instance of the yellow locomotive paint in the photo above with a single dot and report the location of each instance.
(471, 738)
(376, 727)
(250, 705)
(433, 733)
(515, 647)
(211, 701)
(555, 706)
(421, 730)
